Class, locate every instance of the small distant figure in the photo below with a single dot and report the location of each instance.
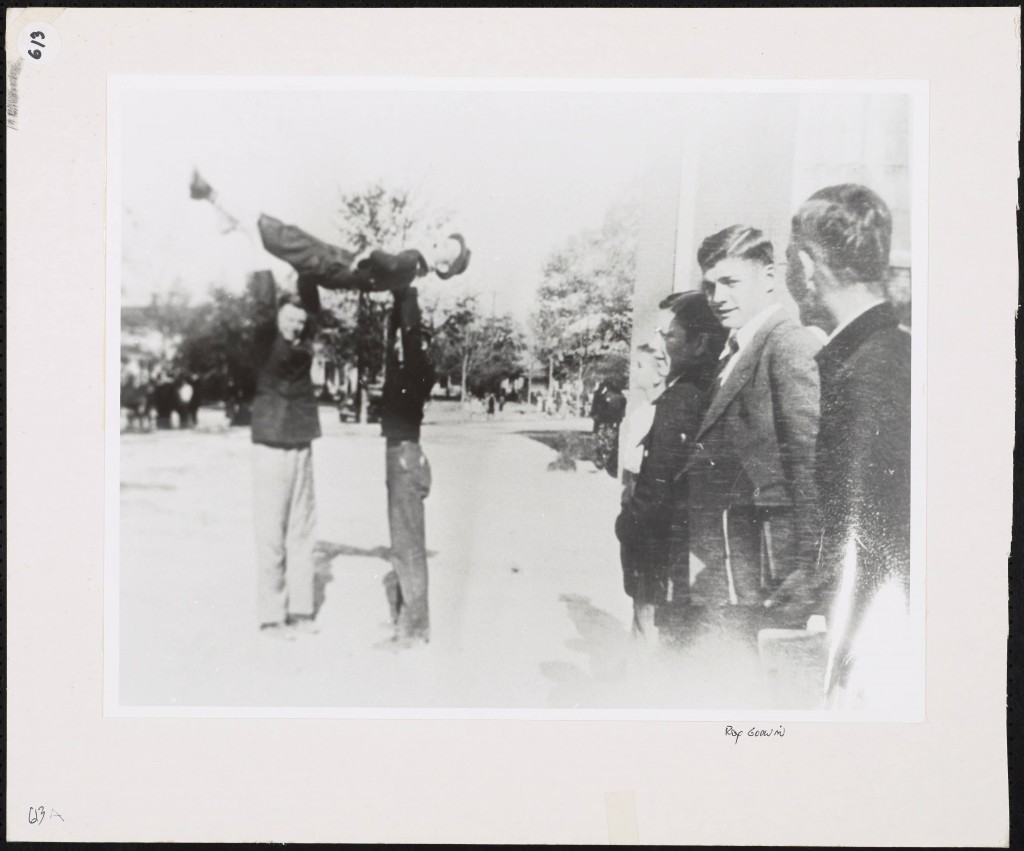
(193, 403)
(490, 406)
(597, 406)
(610, 412)
(136, 403)
(165, 400)
(186, 393)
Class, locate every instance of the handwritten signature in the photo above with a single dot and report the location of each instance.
(756, 732)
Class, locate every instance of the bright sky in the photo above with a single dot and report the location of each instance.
(520, 172)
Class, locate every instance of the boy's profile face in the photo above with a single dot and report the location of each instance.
(671, 344)
(737, 290)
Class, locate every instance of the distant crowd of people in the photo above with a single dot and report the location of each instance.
(562, 400)
(157, 399)
(775, 451)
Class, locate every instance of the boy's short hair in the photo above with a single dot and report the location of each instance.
(693, 313)
(288, 299)
(742, 241)
(848, 229)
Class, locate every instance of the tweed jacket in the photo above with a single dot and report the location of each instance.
(756, 444)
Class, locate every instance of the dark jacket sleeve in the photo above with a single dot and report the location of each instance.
(877, 453)
(264, 293)
(676, 420)
(795, 388)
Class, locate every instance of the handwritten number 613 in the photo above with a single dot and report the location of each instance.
(37, 54)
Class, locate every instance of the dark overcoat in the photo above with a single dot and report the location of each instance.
(864, 458)
(653, 526)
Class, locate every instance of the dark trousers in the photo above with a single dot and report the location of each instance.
(408, 482)
(746, 552)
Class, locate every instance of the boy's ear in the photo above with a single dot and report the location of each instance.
(808, 265)
(703, 347)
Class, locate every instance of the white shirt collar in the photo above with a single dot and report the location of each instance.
(857, 315)
(744, 335)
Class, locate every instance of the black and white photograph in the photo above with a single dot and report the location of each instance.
(531, 397)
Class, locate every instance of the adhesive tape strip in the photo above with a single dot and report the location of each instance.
(46, 14)
(620, 808)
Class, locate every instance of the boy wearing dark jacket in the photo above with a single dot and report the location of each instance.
(653, 527)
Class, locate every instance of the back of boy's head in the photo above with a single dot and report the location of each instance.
(847, 228)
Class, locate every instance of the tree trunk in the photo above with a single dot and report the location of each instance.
(579, 382)
(363, 396)
(388, 343)
(465, 373)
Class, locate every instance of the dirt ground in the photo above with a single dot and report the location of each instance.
(527, 606)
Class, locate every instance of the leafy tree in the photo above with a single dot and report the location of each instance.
(583, 323)
(498, 355)
(168, 314)
(481, 350)
(217, 342)
(376, 217)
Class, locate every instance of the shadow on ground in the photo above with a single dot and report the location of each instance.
(602, 637)
(712, 662)
(323, 557)
(571, 446)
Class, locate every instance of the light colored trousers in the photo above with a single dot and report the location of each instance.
(284, 512)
